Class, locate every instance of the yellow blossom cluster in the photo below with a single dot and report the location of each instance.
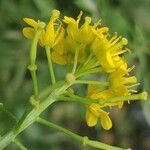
(68, 36)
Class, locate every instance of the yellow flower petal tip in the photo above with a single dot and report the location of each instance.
(91, 119)
(28, 32)
(106, 122)
(144, 95)
(55, 14)
(88, 20)
(30, 22)
(124, 41)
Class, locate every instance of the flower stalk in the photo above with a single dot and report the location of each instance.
(75, 60)
(87, 101)
(91, 82)
(83, 140)
(50, 65)
(33, 54)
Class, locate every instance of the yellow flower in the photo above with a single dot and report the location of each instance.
(94, 111)
(83, 34)
(78, 37)
(64, 51)
(121, 83)
(73, 26)
(108, 52)
(51, 35)
(28, 32)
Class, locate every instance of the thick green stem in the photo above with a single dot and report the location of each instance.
(50, 65)
(18, 143)
(83, 140)
(30, 116)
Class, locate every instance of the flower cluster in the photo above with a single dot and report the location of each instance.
(91, 49)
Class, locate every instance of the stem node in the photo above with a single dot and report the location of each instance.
(32, 67)
(85, 140)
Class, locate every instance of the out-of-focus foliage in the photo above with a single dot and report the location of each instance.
(130, 18)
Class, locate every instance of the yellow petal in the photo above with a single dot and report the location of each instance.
(95, 109)
(58, 59)
(28, 32)
(31, 22)
(86, 35)
(50, 30)
(68, 20)
(107, 62)
(59, 35)
(91, 119)
(55, 14)
(105, 121)
(59, 47)
(72, 28)
(92, 90)
(129, 80)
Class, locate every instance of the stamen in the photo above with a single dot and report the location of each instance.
(118, 53)
(130, 86)
(128, 80)
(132, 91)
(98, 23)
(87, 20)
(116, 40)
(144, 95)
(131, 68)
(79, 16)
(55, 14)
(113, 38)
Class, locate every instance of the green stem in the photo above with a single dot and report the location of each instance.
(83, 72)
(31, 115)
(75, 60)
(115, 99)
(91, 82)
(83, 140)
(35, 83)
(50, 65)
(58, 128)
(20, 145)
(33, 54)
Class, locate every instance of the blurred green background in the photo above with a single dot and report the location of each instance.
(131, 125)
